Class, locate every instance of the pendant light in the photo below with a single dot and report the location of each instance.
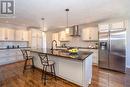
(44, 29)
(67, 27)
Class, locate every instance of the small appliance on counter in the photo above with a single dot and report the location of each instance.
(17, 46)
(8, 47)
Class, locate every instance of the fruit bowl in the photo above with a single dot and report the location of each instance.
(73, 51)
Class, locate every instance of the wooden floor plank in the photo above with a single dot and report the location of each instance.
(12, 76)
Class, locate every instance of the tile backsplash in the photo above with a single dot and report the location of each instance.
(4, 44)
(78, 42)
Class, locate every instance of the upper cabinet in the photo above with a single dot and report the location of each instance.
(36, 39)
(21, 35)
(116, 25)
(103, 27)
(10, 34)
(55, 36)
(2, 34)
(90, 34)
(6, 34)
(25, 35)
(63, 36)
(112, 25)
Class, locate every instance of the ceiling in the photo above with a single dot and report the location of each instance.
(30, 12)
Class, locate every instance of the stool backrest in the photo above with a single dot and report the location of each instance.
(43, 58)
(25, 54)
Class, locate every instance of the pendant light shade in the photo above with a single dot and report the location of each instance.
(67, 21)
(67, 30)
(43, 28)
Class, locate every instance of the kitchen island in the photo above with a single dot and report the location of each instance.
(76, 68)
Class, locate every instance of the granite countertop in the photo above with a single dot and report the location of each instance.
(13, 48)
(80, 47)
(81, 55)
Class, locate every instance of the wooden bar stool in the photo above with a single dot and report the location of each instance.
(27, 58)
(47, 64)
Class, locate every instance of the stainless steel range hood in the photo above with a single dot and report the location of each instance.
(74, 31)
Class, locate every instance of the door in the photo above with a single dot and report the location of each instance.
(104, 47)
(117, 49)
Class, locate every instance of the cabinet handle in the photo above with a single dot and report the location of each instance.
(89, 37)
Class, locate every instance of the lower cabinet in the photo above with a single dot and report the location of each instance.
(95, 55)
(10, 56)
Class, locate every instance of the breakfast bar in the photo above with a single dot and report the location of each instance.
(76, 68)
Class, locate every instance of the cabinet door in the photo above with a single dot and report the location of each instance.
(93, 33)
(34, 33)
(18, 35)
(39, 34)
(9, 34)
(86, 34)
(116, 25)
(2, 34)
(63, 36)
(25, 35)
(34, 43)
(39, 43)
(103, 27)
(95, 56)
(55, 36)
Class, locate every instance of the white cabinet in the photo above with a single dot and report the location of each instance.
(21, 35)
(63, 36)
(13, 35)
(112, 25)
(2, 34)
(25, 35)
(55, 36)
(90, 33)
(10, 56)
(85, 34)
(103, 27)
(6, 34)
(18, 35)
(36, 40)
(9, 34)
(95, 55)
(116, 25)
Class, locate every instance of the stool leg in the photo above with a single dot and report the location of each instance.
(51, 70)
(54, 71)
(25, 65)
(45, 75)
(42, 72)
(33, 64)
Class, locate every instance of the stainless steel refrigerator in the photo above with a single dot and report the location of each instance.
(112, 50)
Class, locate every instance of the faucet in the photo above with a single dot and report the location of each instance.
(52, 44)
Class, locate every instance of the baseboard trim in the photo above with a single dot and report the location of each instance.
(12, 63)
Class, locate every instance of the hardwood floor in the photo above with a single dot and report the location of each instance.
(12, 76)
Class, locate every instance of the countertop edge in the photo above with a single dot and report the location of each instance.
(87, 55)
